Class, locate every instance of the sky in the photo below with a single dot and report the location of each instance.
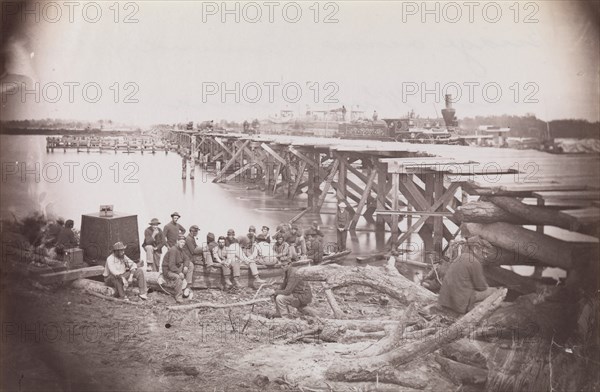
(193, 61)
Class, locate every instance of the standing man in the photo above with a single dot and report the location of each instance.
(120, 270)
(178, 268)
(66, 238)
(154, 240)
(464, 284)
(375, 116)
(172, 230)
(343, 113)
(293, 292)
(191, 248)
(343, 218)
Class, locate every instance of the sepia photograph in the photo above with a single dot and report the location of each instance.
(302, 196)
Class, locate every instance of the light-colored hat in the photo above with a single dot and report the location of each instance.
(154, 222)
(194, 227)
(175, 214)
(119, 246)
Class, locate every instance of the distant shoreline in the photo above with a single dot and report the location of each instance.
(71, 132)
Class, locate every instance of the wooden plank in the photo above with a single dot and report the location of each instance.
(585, 215)
(395, 192)
(223, 146)
(230, 162)
(303, 157)
(438, 231)
(441, 201)
(568, 195)
(273, 153)
(328, 181)
(417, 213)
(238, 171)
(67, 276)
(299, 175)
(363, 200)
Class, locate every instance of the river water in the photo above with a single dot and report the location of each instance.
(69, 184)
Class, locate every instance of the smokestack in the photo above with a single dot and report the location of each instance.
(449, 113)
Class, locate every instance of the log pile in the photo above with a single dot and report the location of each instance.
(499, 221)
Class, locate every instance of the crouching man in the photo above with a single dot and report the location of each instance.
(120, 270)
(293, 292)
(179, 269)
(464, 284)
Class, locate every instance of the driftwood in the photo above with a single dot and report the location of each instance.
(461, 373)
(382, 367)
(92, 285)
(511, 280)
(113, 299)
(397, 287)
(464, 351)
(548, 250)
(70, 275)
(393, 339)
(485, 212)
(216, 306)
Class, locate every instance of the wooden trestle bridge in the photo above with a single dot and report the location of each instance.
(383, 182)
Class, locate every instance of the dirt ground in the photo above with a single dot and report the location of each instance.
(64, 339)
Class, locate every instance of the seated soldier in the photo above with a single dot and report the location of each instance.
(120, 270)
(464, 284)
(66, 238)
(293, 292)
(314, 247)
(296, 242)
(219, 255)
(237, 252)
(265, 251)
(208, 248)
(177, 268)
(230, 239)
(191, 248)
(264, 235)
(281, 249)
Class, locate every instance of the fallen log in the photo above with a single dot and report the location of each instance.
(397, 287)
(485, 212)
(511, 280)
(113, 299)
(548, 250)
(382, 366)
(461, 373)
(394, 338)
(92, 285)
(464, 351)
(69, 275)
(534, 214)
(217, 306)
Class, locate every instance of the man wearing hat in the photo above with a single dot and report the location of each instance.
(178, 268)
(464, 283)
(173, 229)
(293, 291)
(120, 270)
(296, 241)
(281, 249)
(314, 246)
(191, 248)
(342, 217)
(236, 256)
(264, 235)
(230, 239)
(154, 240)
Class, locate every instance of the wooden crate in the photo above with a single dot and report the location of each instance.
(100, 233)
